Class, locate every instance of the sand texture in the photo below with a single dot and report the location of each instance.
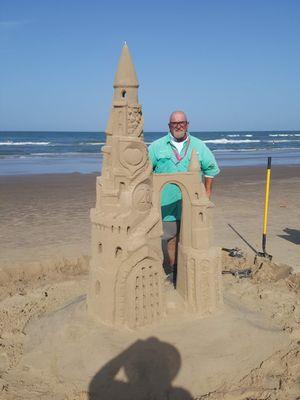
(49, 349)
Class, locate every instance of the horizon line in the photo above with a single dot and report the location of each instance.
(149, 131)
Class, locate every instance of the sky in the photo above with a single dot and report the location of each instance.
(230, 65)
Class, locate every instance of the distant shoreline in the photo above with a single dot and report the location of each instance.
(26, 153)
(92, 163)
(281, 171)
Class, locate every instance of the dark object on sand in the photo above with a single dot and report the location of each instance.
(239, 273)
(235, 252)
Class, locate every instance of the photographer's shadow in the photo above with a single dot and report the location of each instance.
(146, 370)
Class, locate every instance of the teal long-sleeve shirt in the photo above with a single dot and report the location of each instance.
(164, 160)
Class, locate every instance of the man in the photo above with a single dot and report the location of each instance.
(172, 153)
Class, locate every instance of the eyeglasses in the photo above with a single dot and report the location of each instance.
(178, 124)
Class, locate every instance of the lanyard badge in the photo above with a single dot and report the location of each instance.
(177, 155)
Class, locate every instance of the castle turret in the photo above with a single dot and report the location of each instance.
(126, 263)
(126, 82)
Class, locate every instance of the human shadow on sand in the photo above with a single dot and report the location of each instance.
(145, 372)
(292, 235)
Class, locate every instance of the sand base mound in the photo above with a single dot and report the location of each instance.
(249, 350)
(185, 353)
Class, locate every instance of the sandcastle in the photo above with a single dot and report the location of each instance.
(127, 280)
(67, 353)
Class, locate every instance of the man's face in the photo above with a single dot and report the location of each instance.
(178, 125)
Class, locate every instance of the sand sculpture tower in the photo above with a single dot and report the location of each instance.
(126, 275)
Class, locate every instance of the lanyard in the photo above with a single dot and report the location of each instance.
(177, 155)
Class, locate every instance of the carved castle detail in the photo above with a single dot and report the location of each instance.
(126, 282)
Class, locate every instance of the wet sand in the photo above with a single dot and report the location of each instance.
(46, 217)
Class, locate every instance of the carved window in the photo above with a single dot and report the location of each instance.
(118, 251)
(97, 288)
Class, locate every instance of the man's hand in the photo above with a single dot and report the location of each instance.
(208, 185)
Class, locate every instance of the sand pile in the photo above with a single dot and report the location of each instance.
(30, 291)
(19, 278)
(50, 350)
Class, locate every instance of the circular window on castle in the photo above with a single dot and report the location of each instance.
(142, 197)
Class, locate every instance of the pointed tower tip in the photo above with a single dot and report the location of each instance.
(194, 162)
(126, 75)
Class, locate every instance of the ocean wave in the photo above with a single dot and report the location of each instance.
(234, 150)
(92, 143)
(282, 141)
(231, 141)
(65, 154)
(238, 135)
(11, 143)
(281, 134)
(68, 155)
(258, 150)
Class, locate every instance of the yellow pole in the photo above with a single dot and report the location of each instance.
(265, 221)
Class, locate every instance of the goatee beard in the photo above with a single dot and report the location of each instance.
(181, 139)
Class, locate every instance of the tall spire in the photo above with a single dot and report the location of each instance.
(194, 162)
(125, 75)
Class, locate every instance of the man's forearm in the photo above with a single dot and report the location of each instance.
(208, 182)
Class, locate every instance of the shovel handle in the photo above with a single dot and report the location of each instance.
(267, 193)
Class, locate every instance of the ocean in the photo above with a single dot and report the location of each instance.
(70, 152)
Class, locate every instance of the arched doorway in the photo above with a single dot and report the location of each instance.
(170, 215)
(183, 207)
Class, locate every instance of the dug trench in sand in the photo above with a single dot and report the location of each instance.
(236, 351)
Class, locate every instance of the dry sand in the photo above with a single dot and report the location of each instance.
(251, 350)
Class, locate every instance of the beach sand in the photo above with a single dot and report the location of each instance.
(251, 351)
(47, 216)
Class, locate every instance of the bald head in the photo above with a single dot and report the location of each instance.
(178, 125)
(177, 116)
